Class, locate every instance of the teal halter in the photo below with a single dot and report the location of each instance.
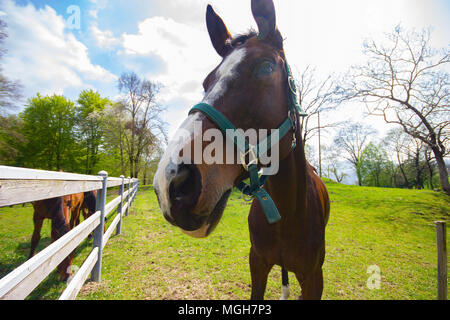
(255, 188)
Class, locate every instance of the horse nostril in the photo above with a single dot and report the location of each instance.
(185, 186)
(181, 177)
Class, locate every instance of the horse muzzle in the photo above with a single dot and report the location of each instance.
(179, 189)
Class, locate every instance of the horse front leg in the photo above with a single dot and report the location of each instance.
(59, 229)
(312, 286)
(36, 237)
(259, 269)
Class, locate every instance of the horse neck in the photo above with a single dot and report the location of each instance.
(288, 187)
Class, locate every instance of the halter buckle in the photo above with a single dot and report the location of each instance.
(294, 119)
(253, 159)
(292, 85)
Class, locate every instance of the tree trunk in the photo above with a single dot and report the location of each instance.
(430, 169)
(400, 165)
(358, 173)
(443, 173)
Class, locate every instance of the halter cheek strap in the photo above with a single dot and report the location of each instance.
(255, 188)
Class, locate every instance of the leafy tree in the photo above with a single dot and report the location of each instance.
(12, 141)
(375, 166)
(49, 128)
(115, 119)
(89, 114)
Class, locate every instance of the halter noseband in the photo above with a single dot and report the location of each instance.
(255, 188)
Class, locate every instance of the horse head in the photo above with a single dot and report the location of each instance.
(249, 89)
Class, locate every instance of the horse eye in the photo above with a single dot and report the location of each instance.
(266, 68)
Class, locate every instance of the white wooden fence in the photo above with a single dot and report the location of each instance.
(18, 185)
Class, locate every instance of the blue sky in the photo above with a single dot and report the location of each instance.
(167, 41)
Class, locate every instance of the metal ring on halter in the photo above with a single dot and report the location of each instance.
(253, 159)
(245, 197)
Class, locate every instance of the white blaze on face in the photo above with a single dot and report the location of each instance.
(225, 73)
(171, 156)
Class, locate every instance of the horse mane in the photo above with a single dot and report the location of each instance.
(243, 37)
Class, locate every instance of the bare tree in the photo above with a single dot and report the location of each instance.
(315, 97)
(352, 140)
(429, 159)
(397, 141)
(145, 127)
(405, 81)
(333, 163)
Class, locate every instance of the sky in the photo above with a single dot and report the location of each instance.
(51, 51)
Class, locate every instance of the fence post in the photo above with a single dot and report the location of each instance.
(98, 232)
(119, 208)
(441, 236)
(128, 196)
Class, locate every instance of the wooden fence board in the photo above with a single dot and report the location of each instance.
(80, 277)
(23, 280)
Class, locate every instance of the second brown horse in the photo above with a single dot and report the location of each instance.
(64, 212)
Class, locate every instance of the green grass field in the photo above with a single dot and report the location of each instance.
(392, 229)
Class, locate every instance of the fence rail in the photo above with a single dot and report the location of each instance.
(18, 185)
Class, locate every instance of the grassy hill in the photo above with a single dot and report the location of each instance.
(390, 228)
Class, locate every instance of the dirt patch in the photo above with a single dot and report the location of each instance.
(91, 286)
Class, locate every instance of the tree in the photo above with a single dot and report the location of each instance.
(333, 163)
(11, 141)
(145, 126)
(406, 82)
(10, 91)
(352, 140)
(413, 158)
(375, 166)
(416, 163)
(90, 107)
(114, 119)
(431, 165)
(48, 126)
(315, 97)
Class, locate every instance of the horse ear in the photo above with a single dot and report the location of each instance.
(218, 32)
(264, 14)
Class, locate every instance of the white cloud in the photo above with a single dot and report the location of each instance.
(104, 39)
(44, 55)
(327, 34)
(187, 56)
(93, 14)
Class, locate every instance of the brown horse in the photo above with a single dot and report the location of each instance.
(251, 89)
(88, 206)
(64, 212)
(52, 209)
(73, 205)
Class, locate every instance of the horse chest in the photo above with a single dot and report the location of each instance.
(297, 249)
